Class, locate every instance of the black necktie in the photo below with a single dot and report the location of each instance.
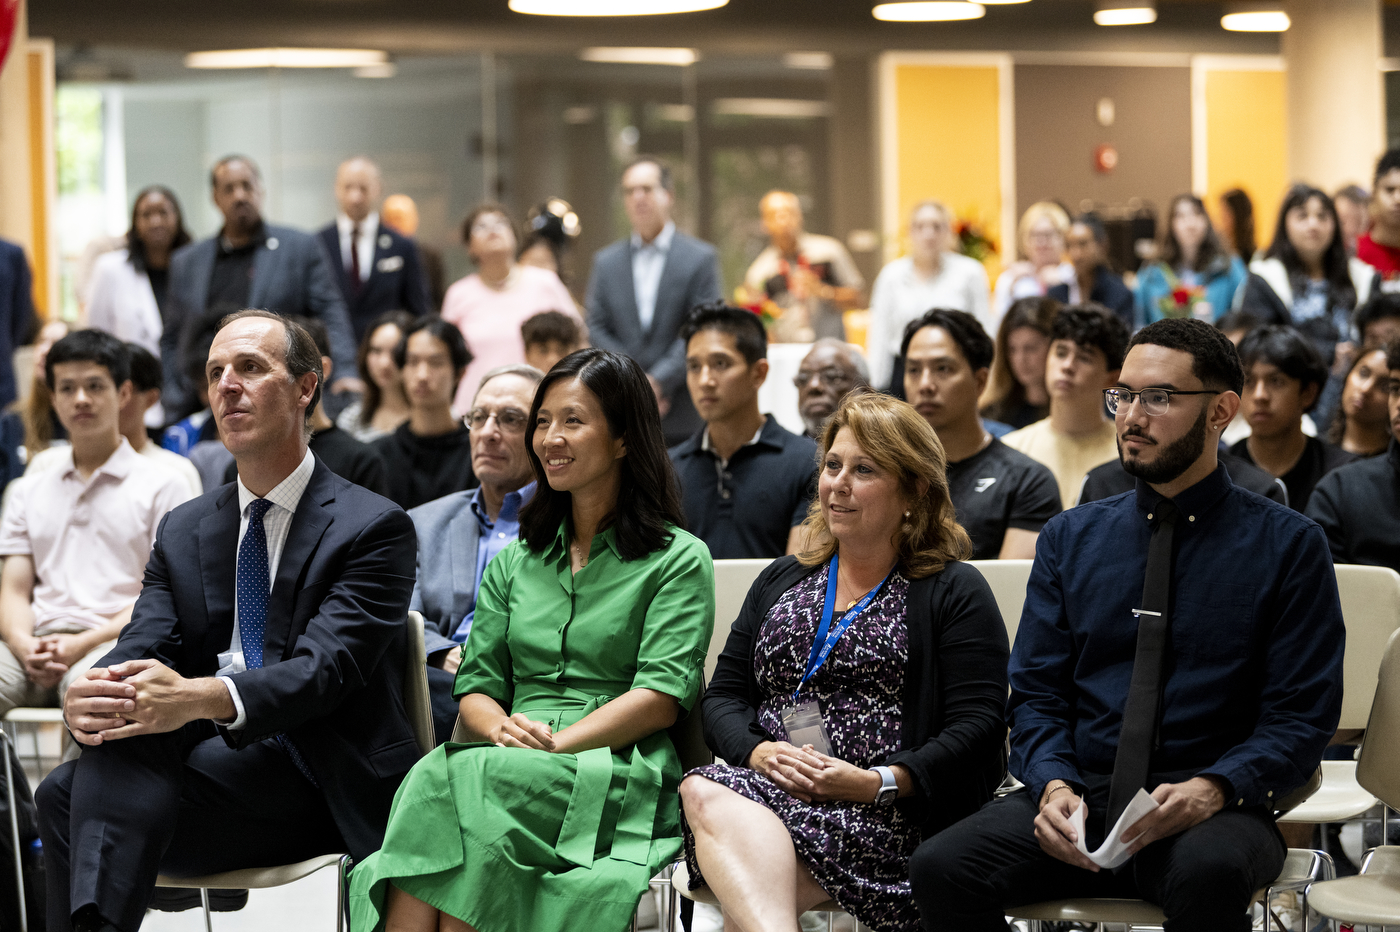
(355, 259)
(1135, 741)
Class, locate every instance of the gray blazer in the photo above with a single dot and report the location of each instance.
(291, 276)
(690, 277)
(445, 590)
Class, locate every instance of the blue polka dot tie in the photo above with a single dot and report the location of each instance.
(253, 584)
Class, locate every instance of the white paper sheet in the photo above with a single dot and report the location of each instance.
(1113, 851)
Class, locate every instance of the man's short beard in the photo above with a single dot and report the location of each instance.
(1173, 459)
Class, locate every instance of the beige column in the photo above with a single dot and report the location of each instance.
(16, 190)
(1336, 99)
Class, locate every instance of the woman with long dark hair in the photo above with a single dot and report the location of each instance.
(588, 642)
(1237, 223)
(1361, 421)
(1193, 274)
(1015, 392)
(383, 406)
(127, 297)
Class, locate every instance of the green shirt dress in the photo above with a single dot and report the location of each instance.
(515, 839)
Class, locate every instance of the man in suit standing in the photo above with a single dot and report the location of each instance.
(249, 263)
(251, 712)
(16, 313)
(642, 289)
(378, 269)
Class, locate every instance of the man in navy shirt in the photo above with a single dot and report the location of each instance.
(1250, 678)
(745, 481)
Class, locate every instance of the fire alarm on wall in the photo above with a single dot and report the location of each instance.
(1105, 159)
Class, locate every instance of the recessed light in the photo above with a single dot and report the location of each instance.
(928, 11)
(636, 55)
(1125, 12)
(286, 58)
(1255, 17)
(612, 7)
(810, 61)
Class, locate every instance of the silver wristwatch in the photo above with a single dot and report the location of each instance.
(889, 789)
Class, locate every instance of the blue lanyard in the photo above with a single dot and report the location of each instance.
(827, 636)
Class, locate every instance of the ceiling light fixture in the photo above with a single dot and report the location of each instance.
(286, 58)
(1001, 2)
(809, 61)
(1125, 12)
(928, 11)
(612, 7)
(772, 108)
(1255, 17)
(640, 56)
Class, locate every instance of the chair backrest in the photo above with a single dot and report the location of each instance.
(415, 686)
(733, 578)
(1378, 769)
(1371, 610)
(1008, 581)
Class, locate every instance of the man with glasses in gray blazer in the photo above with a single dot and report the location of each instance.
(460, 533)
(642, 288)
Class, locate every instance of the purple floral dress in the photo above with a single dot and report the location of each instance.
(858, 852)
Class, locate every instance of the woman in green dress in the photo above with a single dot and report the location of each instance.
(588, 643)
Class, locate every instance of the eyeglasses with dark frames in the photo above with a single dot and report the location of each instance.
(1155, 401)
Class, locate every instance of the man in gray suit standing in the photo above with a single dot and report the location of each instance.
(248, 263)
(460, 533)
(642, 289)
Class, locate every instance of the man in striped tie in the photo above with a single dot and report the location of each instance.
(251, 713)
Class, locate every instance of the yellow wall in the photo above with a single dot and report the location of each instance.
(1247, 141)
(948, 140)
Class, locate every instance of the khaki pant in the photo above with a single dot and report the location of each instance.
(16, 689)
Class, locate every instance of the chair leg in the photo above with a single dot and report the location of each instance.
(342, 905)
(208, 918)
(5, 746)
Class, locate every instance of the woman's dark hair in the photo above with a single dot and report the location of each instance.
(1287, 350)
(977, 348)
(90, 346)
(135, 249)
(1004, 395)
(1335, 266)
(445, 331)
(648, 499)
(481, 210)
(1242, 209)
(1213, 357)
(750, 339)
(1389, 161)
(372, 399)
(1169, 250)
(1094, 326)
(551, 327)
(1337, 430)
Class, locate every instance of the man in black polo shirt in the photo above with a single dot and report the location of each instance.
(1003, 497)
(1358, 505)
(745, 481)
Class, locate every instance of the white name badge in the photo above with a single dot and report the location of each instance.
(805, 726)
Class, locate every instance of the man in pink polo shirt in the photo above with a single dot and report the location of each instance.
(76, 538)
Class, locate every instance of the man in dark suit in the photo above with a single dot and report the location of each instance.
(251, 713)
(249, 263)
(642, 289)
(377, 269)
(16, 313)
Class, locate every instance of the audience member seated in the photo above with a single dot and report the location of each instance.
(1377, 322)
(1218, 722)
(746, 482)
(588, 642)
(1358, 505)
(1361, 422)
(836, 765)
(1193, 274)
(1379, 247)
(1003, 497)
(1087, 246)
(382, 406)
(1016, 394)
(131, 421)
(76, 533)
(1283, 375)
(1086, 353)
(251, 711)
(1353, 214)
(1041, 265)
(198, 426)
(343, 455)
(1237, 224)
(429, 455)
(460, 534)
(933, 274)
(831, 369)
(490, 304)
(1236, 325)
(812, 277)
(550, 336)
(1306, 280)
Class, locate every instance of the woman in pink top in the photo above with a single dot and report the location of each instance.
(489, 305)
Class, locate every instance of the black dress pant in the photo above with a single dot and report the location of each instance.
(966, 876)
(183, 804)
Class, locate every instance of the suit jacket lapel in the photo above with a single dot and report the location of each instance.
(670, 293)
(330, 238)
(202, 270)
(265, 262)
(308, 525)
(218, 564)
(629, 291)
(464, 537)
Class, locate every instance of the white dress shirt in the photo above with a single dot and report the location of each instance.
(369, 229)
(648, 261)
(276, 523)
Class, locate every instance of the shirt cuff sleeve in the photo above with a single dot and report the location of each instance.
(241, 719)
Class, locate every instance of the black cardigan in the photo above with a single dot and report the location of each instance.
(953, 731)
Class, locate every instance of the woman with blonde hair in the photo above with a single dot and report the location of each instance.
(858, 703)
(1041, 236)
